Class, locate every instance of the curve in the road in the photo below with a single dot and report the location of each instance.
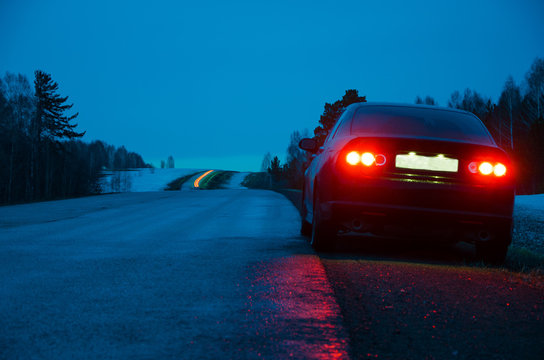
(196, 183)
(189, 184)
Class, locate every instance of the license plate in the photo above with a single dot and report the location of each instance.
(431, 163)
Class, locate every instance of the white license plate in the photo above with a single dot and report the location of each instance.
(431, 163)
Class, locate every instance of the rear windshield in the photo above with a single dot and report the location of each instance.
(419, 122)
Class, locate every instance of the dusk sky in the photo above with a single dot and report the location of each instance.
(217, 84)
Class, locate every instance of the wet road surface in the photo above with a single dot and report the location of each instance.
(225, 274)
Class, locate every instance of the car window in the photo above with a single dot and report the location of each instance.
(343, 125)
(419, 122)
(333, 130)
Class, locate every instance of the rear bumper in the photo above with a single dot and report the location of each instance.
(399, 206)
(409, 221)
(340, 210)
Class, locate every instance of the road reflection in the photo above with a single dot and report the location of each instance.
(412, 310)
(294, 311)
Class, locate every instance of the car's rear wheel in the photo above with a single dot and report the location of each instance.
(494, 252)
(305, 227)
(323, 233)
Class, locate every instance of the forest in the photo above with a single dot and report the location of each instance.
(516, 122)
(43, 156)
(41, 151)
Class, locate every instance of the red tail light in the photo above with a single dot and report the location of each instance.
(368, 159)
(365, 158)
(499, 170)
(353, 158)
(487, 168)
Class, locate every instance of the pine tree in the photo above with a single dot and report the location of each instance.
(333, 112)
(50, 121)
(49, 125)
(275, 170)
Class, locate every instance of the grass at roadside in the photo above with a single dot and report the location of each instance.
(524, 260)
(216, 180)
(178, 183)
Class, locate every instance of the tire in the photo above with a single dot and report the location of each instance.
(305, 227)
(493, 252)
(323, 234)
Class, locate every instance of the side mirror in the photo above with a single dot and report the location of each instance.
(308, 145)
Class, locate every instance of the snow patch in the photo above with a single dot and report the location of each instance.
(140, 180)
(535, 202)
(236, 181)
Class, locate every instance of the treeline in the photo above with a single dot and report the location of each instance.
(291, 173)
(516, 122)
(40, 151)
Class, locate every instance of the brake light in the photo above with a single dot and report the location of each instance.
(366, 158)
(486, 168)
(499, 170)
(353, 158)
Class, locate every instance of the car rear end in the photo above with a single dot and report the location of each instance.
(394, 177)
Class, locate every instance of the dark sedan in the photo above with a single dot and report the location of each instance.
(399, 171)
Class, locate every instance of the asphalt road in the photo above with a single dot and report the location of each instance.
(224, 274)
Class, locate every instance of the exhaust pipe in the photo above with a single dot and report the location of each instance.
(483, 235)
(357, 225)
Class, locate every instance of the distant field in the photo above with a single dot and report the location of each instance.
(141, 180)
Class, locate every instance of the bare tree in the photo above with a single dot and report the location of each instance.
(18, 92)
(265, 164)
(170, 162)
(294, 154)
(428, 100)
(455, 100)
(19, 96)
(471, 101)
(535, 90)
(509, 101)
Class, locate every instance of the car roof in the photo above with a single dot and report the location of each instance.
(418, 106)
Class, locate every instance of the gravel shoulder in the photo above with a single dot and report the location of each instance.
(407, 310)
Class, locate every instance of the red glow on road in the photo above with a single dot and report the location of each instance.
(450, 307)
(197, 181)
(300, 317)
